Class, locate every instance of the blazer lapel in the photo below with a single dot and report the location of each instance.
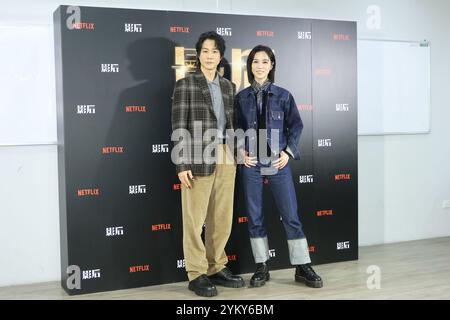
(227, 102)
(225, 94)
(203, 85)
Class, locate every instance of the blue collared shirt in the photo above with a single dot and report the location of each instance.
(219, 109)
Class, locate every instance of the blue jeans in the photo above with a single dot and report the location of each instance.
(282, 187)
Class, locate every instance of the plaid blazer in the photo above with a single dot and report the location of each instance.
(192, 102)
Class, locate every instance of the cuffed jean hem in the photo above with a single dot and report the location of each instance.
(260, 249)
(298, 251)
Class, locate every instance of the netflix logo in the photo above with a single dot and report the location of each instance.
(322, 72)
(163, 226)
(176, 186)
(341, 37)
(143, 268)
(176, 29)
(135, 109)
(88, 192)
(321, 213)
(265, 33)
(304, 107)
(342, 176)
(242, 219)
(83, 26)
(232, 257)
(107, 150)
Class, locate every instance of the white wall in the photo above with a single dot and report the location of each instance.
(402, 179)
(29, 237)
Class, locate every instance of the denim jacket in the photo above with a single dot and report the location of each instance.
(281, 114)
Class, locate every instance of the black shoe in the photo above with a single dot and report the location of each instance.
(304, 273)
(261, 275)
(225, 278)
(202, 286)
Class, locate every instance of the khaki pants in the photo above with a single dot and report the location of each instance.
(209, 202)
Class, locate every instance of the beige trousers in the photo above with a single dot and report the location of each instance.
(209, 202)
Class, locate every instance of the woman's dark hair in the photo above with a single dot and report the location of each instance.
(250, 58)
(211, 35)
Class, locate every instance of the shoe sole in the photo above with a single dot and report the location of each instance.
(228, 284)
(204, 293)
(259, 283)
(311, 284)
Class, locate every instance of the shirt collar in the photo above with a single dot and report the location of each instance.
(215, 81)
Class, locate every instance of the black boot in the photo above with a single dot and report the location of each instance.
(305, 273)
(227, 279)
(261, 275)
(202, 286)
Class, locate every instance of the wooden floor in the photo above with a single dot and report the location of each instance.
(409, 270)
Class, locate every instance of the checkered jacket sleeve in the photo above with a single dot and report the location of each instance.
(180, 116)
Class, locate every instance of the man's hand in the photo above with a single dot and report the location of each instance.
(184, 177)
(282, 161)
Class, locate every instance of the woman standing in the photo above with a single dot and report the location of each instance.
(261, 106)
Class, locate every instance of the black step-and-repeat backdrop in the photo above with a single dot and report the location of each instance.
(120, 208)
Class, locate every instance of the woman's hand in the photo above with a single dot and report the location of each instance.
(282, 161)
(249, 161)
